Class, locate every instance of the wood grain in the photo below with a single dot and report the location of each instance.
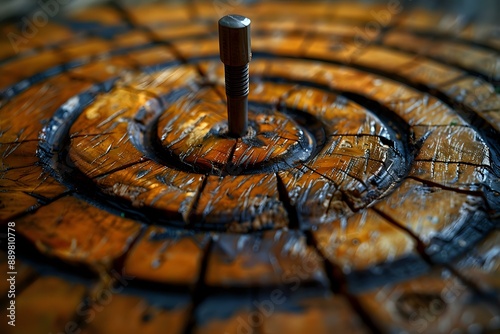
(365, 197)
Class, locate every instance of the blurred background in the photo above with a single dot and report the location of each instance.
(485, 11)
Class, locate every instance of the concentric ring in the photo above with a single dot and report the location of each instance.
(367, 164)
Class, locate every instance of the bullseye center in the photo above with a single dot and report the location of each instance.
(273, 141)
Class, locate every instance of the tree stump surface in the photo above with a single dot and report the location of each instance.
(365, 196)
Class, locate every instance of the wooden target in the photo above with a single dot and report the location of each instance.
(365, 196)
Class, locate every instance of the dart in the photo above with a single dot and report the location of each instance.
(235, 53)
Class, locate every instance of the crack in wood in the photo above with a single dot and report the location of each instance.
(339, 285)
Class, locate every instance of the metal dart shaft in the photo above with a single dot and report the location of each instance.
(235, 53)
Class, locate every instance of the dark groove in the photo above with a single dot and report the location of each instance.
(86, 303)
(122, 167)
(421, 249)
(487, 194)
(340, 286)
(294, 222)
(41, 203)
(199, 292)
(192, 217)
(119, 262)
(228, 168)
(420, 246)
(429, 183)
